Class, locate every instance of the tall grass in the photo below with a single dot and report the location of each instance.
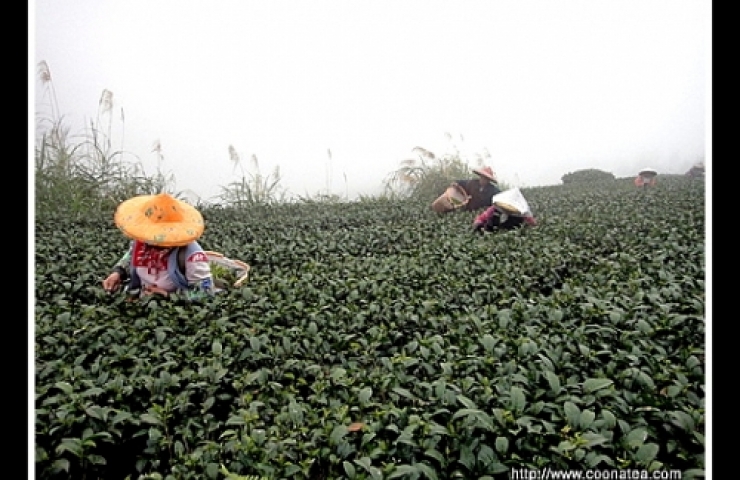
(425, 176)
(77, 174)
(253, 187)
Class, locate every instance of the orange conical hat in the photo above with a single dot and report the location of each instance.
(161, 220)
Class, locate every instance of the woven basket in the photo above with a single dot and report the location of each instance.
(240, 268)
(453, 198)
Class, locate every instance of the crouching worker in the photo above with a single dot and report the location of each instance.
(646, 178)
(509, 210)
(498, 218)
(164, 256)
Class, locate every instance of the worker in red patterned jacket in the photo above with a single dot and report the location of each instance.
(164, 256)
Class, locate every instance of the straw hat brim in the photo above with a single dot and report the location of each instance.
(508, 208)
(131, 219)
(484, 174)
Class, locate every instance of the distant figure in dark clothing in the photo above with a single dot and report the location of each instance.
(480, 189)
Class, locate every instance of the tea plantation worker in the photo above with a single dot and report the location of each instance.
(646, 177)
(164, 255)
(480, 189)
(496, 217)
(509, 210)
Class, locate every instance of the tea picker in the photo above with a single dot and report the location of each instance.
(509, 210)
(468, 195)
(646, 178)
(164, 256)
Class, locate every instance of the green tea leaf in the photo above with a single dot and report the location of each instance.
(404, 393)
(92, 392)
(236, 420)
(120, 417)
(488, 342)
(593, 460)
(61, 464)
(486, 456)
(504, 318)
(593, 384)
(253, 376)
(586, 419)
(610, 421)
(401, 471)
(212, 470)
(64, 387)
(553, 381)
(693, 473)
(692, 362)
(468, 403)
(674, 390)
(150, 419)
(502, 444)
(349, 469)
(435, 454)
(636, 437)
(518, 401)
(593, 439)
(365, 395)
(646, 453)
(426, 471)
(467, 458)
(572, 413)
(208, 404)
(338, 434)
(682, 420)
(366, 464)
(645, 380)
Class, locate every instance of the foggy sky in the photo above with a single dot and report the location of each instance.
(544, 87)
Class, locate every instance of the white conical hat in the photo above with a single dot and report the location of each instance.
(512, 201)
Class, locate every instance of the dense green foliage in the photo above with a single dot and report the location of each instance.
(377, 339)
(588, 175)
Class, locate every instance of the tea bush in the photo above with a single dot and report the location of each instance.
(588, 175)
(377, 339)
